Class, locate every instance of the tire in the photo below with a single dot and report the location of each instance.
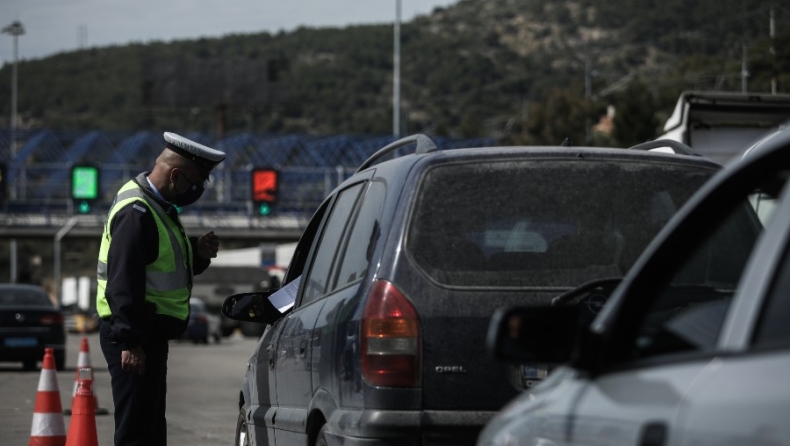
(242, 430)
(30, 365)
(60, 362)
(321, 438)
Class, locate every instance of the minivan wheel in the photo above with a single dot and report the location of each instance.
(242, 437)
(321, 439)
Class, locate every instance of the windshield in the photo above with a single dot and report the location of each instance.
(547, 223)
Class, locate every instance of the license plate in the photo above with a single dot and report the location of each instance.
(533, 375)
(21, 342)
(534, 371)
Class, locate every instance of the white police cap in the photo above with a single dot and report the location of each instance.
(205, 157)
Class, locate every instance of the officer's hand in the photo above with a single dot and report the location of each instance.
(133, 360)
(208, 245)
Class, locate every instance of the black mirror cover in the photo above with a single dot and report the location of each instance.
(264, 307)
(544, 335)
(251, 307)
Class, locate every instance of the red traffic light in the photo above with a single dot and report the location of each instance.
(264, 185)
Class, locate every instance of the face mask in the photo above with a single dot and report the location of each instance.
(190, 196)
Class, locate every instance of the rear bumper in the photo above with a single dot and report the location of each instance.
(29, 353)
(386, 427)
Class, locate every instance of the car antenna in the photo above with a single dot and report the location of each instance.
(566, 143)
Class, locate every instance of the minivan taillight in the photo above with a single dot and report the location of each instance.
(390, 338)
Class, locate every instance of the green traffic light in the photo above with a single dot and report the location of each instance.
(84, 207)
(264, 209)
(84, 182)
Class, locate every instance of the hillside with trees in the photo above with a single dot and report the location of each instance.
(520, 71)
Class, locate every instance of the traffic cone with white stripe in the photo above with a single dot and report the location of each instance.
(84, 361)
(48, 428)
(82, 429)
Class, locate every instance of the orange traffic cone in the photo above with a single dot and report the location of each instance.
(48, 428)
(82, 429)
(84, 361)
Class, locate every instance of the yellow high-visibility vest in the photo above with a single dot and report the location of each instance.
(168, 280)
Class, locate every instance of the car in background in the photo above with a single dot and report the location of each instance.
(403, 265)
(203, 325)
(693, 345)
(29, 323)
(80, 321)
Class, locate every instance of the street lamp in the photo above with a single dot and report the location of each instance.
(15, 29)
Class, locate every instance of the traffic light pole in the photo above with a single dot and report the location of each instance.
(60, 234)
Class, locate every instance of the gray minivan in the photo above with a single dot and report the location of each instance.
(403, 265)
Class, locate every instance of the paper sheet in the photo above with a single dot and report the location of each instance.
(284, 298)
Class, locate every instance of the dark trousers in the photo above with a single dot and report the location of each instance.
(139, 399)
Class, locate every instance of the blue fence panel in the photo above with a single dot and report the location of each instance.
(310, 166)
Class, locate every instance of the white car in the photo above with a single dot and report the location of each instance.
(692, 347)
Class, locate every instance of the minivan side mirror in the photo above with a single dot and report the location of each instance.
(545, 335)
(251, 307)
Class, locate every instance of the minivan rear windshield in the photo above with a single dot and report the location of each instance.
(542, 223)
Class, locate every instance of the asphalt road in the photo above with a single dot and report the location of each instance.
(203, 388)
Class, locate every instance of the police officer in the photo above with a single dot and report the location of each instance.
(145, 269)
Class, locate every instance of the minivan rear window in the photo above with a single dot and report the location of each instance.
(542, 223)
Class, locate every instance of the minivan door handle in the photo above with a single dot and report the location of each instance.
(654, 434)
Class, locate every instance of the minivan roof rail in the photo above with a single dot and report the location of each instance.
(677, 146)
(424, 145)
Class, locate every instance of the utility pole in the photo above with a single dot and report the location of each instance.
(396, 74)
(15, 29)
(587, 99)
(82, 37)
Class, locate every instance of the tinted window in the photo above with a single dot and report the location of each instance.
(316, 280)
(542, 223)
(363, 237)
(302, 250)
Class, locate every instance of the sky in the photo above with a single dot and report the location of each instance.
(54, 26)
